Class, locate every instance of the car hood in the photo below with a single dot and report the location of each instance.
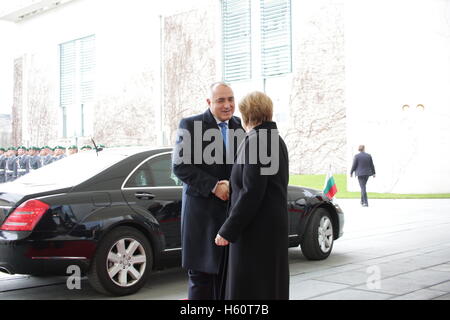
(307, 192)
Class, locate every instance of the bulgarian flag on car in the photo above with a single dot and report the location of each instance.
(330, 188)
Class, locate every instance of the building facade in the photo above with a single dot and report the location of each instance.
(339, 73)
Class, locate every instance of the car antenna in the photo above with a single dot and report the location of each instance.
(97, 149)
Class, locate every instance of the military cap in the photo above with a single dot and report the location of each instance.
(46, 147)
(86, 147)
(36, 148)
(2, 149)
(60, 147)
(22, 147)
(73, 147)
(12, 148)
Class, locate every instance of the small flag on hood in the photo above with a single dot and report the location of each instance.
(330, 188)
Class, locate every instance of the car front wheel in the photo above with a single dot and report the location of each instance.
(122, 263)
(319, 237)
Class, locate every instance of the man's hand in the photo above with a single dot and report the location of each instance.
(220, 241)
(222, 190)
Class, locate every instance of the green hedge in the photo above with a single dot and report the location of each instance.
(318, 181)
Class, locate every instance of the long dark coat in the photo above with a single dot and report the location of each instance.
(257, 225)
(202, 213)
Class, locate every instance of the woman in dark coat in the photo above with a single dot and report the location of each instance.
(257, 225)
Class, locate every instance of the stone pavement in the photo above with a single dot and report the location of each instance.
(394, 249)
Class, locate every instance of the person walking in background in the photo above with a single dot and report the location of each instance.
(205, 192)
(257, 223)
(363, 168)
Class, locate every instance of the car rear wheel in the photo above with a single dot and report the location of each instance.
(122, 263)
(319, 236)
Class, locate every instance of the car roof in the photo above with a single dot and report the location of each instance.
(129, 151)
(55, 176)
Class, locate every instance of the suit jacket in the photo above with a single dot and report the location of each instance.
(363, 165)
(202, 213)
(257, 226)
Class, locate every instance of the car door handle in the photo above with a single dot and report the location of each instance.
(144, 195)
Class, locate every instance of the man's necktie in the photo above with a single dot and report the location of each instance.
(224, 129)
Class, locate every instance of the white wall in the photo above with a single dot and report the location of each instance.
(7, 44)
(127, 47)
(398, 52)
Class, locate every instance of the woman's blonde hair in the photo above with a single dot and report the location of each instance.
(256, 107)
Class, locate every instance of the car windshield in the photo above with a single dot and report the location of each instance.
(67, 172)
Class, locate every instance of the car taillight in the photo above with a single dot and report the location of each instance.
(26, 216)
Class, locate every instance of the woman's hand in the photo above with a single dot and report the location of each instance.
(222, 190)
(220, 241)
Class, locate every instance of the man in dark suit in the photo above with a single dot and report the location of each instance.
(364, 168)
(205, 189)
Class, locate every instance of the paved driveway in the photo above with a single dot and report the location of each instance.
(394, 249)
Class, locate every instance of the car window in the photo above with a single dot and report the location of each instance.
(156, 172)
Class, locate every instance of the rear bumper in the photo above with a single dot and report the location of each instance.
(44, 257)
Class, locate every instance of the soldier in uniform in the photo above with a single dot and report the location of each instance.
(59, 153)
(73, 150)
(45, 155)
(2, 164)
(10, 165)
(34, 159)
(42, 154)
(22, 162)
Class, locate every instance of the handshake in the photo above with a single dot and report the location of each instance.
(222, 190)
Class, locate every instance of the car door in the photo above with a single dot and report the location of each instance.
(151, 186)
(297, 201)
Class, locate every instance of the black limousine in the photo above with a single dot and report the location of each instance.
(116, 215)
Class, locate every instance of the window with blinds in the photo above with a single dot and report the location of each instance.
(87, 65)
(77, 66)
(67, 73)
(237, 44)
(276, 53)
(273, 38)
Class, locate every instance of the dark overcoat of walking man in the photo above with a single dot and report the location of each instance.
(363, 168)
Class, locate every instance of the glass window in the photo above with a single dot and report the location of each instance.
(257, 41)
(156, 172)
(276, 37)
(77, 70)
(237, 45)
